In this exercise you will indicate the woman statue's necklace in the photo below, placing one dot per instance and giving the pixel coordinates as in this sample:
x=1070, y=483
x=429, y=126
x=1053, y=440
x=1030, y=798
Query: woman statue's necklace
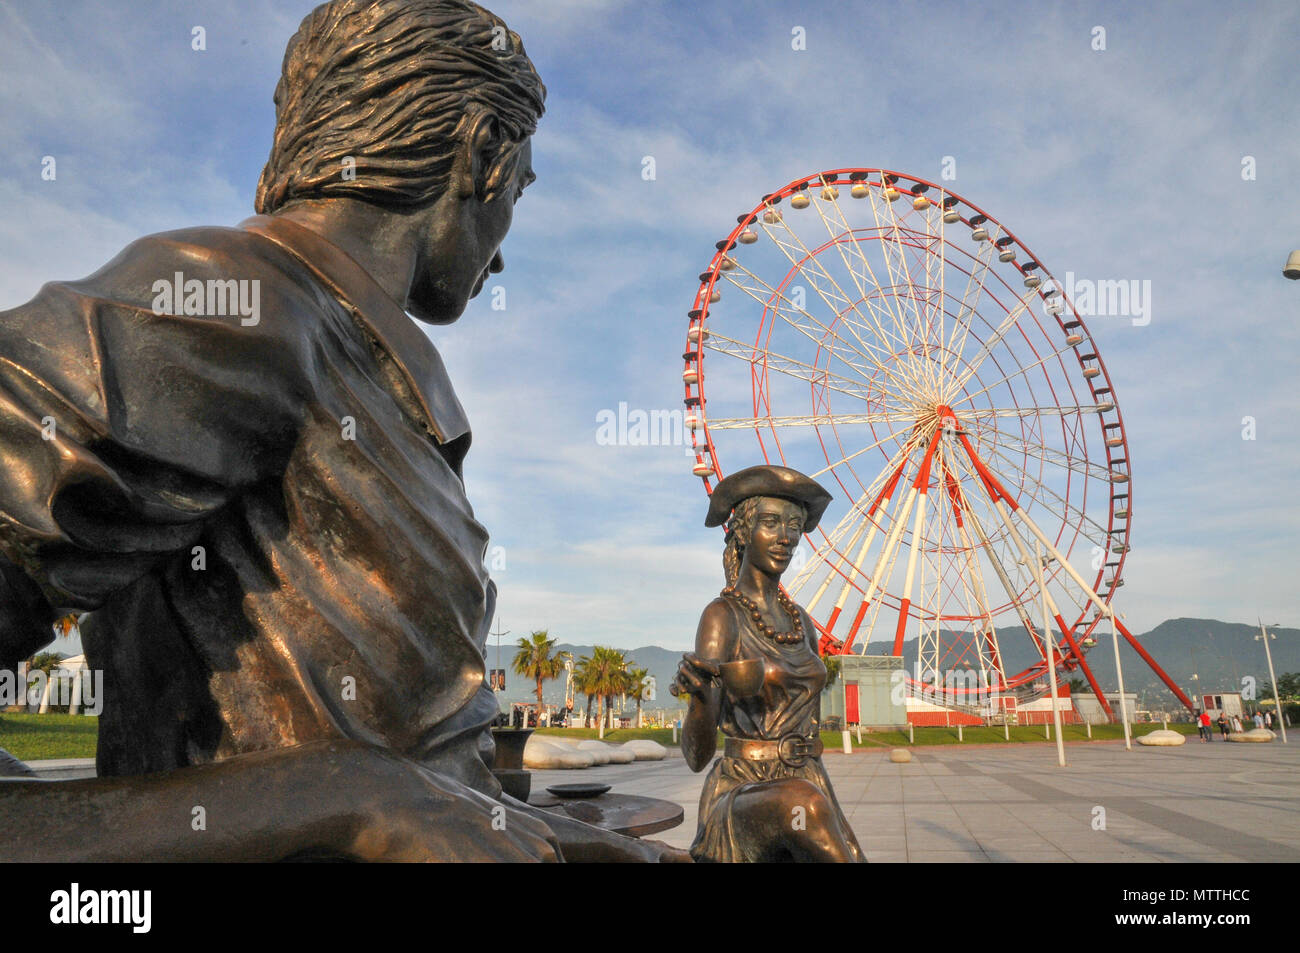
x=793, y=637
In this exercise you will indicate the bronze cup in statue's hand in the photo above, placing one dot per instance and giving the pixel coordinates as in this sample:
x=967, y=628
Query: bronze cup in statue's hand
x=744, y=679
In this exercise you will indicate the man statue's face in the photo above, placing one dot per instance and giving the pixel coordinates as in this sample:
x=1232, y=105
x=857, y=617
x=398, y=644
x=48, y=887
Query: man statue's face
x=462, y=247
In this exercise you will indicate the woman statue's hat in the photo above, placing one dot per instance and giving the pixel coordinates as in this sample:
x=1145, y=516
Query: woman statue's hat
x=767, y=480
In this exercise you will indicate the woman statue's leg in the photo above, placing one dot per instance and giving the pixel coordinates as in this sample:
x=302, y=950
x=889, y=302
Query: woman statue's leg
x=790, y=819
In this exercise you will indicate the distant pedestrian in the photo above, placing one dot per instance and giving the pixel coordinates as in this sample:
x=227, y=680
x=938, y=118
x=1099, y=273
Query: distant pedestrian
x=1236, y=724
x=1268, y=719
x=1203, y=725
x=1259, y=720
x=1223, y=725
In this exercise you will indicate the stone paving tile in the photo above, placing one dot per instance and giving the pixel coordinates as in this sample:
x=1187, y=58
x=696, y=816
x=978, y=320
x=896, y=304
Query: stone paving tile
x=1194, y=803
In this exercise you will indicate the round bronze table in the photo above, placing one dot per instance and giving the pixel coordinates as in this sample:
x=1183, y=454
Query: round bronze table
x=628, y=814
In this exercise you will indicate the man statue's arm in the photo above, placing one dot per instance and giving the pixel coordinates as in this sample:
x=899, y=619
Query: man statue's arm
x=340, y=800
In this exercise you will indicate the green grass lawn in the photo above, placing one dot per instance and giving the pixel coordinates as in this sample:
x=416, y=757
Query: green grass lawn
x=990, y=735
x=615, y=736
x=36, y=737
x=893, y=739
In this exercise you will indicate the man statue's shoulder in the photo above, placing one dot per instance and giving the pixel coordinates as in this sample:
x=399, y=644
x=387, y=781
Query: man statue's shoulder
x=228, y=276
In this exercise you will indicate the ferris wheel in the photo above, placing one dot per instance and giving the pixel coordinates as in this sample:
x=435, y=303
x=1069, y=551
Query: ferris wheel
x=892, y=340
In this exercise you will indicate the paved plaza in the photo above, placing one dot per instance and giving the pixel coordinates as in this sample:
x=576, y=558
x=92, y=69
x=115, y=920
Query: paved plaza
x=1197, y=802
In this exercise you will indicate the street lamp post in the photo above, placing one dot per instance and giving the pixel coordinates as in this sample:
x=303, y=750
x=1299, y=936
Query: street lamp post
x=1119, y=675
x=1051, y=655
x=1277, y=702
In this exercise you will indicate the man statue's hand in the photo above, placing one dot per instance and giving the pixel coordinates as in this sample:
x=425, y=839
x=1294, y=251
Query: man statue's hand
x=416, y=815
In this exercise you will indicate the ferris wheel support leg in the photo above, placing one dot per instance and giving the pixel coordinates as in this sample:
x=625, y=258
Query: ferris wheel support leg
x=881, y=502
x=994, y=487
x=1025, y=620
x=920, y=488
x=1107, y=610
x=891, y=543
x=1083, y=664
x=989, y=650
x=1155, y=667
x=1037, y=569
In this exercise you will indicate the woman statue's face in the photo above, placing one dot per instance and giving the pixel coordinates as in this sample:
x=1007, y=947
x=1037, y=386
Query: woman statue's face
x=774, y=534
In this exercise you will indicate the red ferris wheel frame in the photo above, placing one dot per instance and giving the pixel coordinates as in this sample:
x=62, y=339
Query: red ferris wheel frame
x=1077, y=636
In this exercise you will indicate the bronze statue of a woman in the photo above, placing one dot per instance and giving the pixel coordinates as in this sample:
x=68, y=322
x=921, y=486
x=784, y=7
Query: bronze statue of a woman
x=755, y=674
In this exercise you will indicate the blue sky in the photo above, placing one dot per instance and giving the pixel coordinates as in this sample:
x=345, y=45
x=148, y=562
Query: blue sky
x=1123, y=163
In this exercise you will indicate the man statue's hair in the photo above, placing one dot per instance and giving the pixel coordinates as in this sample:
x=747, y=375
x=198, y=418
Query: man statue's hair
x=389, y=89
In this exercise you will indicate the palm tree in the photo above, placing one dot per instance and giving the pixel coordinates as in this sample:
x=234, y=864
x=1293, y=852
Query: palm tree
x=834, y=664
x=534, y=660
x=583, y=681
x=636, y=688
x=602, y=675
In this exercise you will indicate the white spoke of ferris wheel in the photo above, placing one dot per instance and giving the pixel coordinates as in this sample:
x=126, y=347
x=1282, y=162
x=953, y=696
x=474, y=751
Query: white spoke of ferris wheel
x=901, y=335
x=847, y=232
x=857, y=453
x=1013, y=315
x=970, y=597
x=896, y=462
x=886, y=494
x=935, y=310
x=943, y=286
x=1041, y=453
x=773, y=299
x=988, y=631
x=970, y=296
x=994, y=560
x=1070, y=508
x=875, y=200
x=789, y=366
x=920, y=490
x=1064, y=563
x=1055, y=553
x=806, y=268
x=905, y=504
x=874, y=196
x=1038, y=570
x=1057, y=458
x=879, y=359
x=865, y=604
x=1024, y=369
x=1066, y=410
x=978, y=590
x=823, y=556
x=801, y=264
x=811, y=420
x=855, y=518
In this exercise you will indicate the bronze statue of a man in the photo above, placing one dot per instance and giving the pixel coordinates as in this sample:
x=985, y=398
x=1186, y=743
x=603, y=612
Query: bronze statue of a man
x=233, y=448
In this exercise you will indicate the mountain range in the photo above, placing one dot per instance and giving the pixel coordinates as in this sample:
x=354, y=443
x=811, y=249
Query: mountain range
x=1221, y=654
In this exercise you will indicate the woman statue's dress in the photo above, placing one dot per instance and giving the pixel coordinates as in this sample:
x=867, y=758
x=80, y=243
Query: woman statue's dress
x=789, y=703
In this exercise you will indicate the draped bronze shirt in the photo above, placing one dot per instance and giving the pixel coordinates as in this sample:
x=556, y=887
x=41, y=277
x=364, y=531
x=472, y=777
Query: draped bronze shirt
x=268, y=521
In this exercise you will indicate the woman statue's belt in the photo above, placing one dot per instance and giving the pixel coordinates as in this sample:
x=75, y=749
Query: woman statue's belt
x=792, y=750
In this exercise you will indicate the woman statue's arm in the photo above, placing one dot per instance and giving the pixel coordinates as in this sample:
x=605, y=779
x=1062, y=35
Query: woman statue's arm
x=715, y=642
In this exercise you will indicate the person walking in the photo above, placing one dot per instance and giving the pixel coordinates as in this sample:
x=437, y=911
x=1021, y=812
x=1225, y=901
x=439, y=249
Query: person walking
x=1236, y=724
x=1268, y=719
x=1259, y=719
x=1223, y=725
x=1203, y=726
